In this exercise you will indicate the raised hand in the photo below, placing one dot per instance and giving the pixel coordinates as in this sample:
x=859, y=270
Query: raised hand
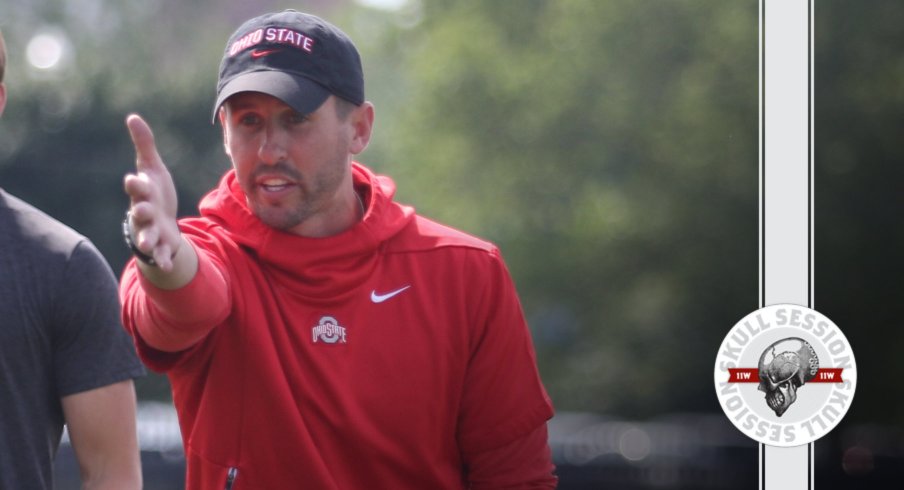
x=153, y=199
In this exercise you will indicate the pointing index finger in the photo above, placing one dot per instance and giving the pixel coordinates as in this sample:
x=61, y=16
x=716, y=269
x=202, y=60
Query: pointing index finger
x=146, y=155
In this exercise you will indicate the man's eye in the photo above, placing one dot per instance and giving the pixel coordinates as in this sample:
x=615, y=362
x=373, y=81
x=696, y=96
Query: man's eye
x=297, y=118
x=249, y=119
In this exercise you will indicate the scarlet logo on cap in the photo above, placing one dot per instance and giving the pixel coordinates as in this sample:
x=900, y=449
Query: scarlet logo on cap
x=273, y=35
x=259, y=53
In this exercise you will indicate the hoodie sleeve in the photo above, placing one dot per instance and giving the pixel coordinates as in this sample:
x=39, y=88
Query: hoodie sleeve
x=170, y=321
x=523, y=464
x=504, y=406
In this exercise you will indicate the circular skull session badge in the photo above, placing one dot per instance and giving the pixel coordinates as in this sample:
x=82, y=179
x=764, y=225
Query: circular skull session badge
x=785, y=375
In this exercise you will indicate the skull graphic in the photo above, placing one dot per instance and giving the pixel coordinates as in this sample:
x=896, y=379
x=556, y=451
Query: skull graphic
x=784, y=367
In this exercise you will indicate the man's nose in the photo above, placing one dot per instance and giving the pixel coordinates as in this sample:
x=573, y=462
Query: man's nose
x=273, y=145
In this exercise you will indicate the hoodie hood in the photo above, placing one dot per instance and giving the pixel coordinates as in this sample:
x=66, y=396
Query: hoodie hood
x=326, y=267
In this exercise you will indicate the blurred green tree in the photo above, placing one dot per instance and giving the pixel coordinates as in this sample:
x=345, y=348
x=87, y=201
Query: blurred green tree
x=859, y=117
x=610, y=149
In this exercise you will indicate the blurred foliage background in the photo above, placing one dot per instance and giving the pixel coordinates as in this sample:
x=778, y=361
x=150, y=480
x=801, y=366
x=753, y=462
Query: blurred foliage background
x=609, y=147
x=859, y=196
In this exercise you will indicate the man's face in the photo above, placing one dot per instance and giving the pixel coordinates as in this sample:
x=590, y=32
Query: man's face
x=294, y=168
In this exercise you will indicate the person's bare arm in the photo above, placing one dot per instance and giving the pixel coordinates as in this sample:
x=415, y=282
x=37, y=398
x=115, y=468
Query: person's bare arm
x=153, y=213
x=103, y=431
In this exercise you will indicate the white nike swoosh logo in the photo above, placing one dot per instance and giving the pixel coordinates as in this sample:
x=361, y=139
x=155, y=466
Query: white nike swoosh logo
x=379, y=298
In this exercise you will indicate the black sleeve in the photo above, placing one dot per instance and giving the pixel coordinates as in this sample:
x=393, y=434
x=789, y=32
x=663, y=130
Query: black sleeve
x=90, y=347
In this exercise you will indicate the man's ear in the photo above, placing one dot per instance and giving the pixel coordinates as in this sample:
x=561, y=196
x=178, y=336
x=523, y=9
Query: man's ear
x=2, y=98
x=221, y=115
x=362, y=119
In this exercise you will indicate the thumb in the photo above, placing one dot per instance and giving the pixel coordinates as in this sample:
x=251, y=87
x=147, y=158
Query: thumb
x=146, y=155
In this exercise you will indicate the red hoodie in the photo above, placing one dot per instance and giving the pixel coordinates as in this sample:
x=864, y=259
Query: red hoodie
x=393, y=355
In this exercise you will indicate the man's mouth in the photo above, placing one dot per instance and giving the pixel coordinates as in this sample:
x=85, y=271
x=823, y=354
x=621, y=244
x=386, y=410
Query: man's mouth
x=274, y=184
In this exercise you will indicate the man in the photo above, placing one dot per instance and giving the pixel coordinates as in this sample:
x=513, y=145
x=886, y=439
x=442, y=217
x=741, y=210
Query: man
x=316, y=333
x=64, y=356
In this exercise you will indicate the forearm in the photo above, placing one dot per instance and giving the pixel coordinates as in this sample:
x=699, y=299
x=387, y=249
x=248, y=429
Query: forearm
x=185, y=267
x=117, y=478
x=174, y=319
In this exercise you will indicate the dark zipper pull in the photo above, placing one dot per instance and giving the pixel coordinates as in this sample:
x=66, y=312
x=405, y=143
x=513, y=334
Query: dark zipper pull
x=230, y=477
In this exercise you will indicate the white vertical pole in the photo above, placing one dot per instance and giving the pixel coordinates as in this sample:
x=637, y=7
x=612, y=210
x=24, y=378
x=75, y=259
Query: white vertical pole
x=786, y=192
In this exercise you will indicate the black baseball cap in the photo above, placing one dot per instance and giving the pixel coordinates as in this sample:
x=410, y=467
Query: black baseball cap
x=298, y=58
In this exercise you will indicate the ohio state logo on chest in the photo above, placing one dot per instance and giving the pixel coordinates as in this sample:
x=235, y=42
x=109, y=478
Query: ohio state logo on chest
x=328, y=331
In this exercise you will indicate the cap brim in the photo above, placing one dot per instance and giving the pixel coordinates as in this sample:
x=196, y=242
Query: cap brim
x=300, y=93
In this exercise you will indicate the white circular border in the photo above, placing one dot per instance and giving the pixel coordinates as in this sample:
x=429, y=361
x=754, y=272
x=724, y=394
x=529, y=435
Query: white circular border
x=761, y=424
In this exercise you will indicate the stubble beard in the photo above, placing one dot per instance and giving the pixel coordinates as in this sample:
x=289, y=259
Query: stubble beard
x=310, y=196
x=284, y=219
